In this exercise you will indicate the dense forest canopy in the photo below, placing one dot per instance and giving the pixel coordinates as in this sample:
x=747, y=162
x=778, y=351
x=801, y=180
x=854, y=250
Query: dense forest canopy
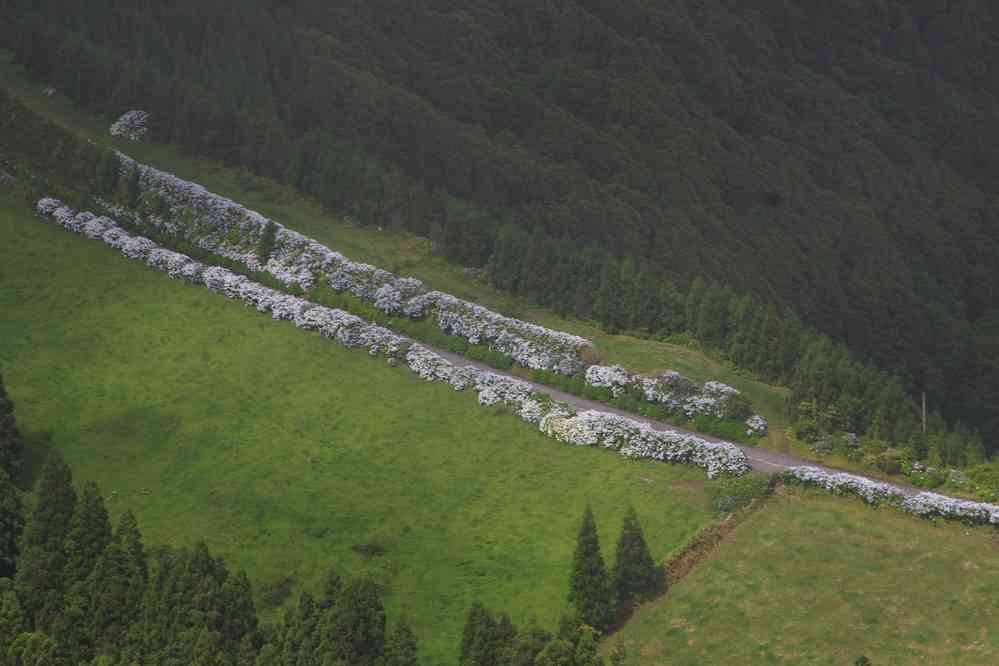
x=834, y=158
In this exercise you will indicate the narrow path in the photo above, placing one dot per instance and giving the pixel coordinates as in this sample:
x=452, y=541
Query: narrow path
x=760, y=459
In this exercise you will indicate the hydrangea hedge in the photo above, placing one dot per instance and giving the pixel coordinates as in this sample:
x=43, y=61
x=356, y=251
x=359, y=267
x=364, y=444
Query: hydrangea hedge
x=924, y=504
x=558, y=420
x=226, y=228
x=133, y=125
x=675, y=392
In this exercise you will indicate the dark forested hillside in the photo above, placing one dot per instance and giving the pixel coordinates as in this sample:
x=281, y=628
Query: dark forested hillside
x=835, y=158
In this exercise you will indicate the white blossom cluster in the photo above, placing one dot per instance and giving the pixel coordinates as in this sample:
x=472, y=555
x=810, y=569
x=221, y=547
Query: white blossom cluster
x=674, y=391
x=638, y=440
x=589, y=428
x=841, y=483
x=132, y=125
x=932, y=505
x=226, y=228
x=345, y=328
x=756, y=425
x=924, y=504
x=615, y=378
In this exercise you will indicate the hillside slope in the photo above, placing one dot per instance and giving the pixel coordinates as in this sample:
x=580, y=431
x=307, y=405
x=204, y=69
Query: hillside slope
x=833, y=161
x=288, y=454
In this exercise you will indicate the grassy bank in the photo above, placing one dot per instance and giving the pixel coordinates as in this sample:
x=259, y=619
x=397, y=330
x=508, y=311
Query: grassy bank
x=817, y=579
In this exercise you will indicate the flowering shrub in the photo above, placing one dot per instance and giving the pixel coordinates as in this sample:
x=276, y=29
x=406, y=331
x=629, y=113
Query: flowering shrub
x=924, y=504
x=133, y=125
x=756, y=425
x=932, y=505
x=614, y=377
x=347, y=329
x=222, y=226
x=841, y=483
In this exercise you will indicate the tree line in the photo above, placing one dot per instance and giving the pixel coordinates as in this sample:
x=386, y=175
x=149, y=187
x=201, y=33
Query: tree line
x=830, y=162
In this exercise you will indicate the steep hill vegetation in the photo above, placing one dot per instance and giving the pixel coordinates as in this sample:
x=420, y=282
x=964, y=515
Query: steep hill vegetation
x=831, y=160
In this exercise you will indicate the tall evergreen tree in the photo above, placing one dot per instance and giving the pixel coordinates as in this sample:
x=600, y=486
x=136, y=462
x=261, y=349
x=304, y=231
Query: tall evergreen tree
x=635, y=572
x=11, y=444
x=401, y=648
x=356, y=628
x=589, y=586
x=39, y=579
x=11, y=525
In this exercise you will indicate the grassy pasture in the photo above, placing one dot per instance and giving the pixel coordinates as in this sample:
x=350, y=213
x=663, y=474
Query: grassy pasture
x=816, y=579
x=287, y=453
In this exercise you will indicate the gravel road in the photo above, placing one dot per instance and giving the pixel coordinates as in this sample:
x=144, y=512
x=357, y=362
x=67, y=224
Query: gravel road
x=759, y=459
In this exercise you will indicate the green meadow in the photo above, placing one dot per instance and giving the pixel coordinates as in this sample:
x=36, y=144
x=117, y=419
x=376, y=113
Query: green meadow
x=288, y=454
x=812, y=578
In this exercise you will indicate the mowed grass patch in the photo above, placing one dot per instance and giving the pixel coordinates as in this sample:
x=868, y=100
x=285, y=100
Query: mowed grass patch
x=287, y=453
x=816, y=579
x=401, y=253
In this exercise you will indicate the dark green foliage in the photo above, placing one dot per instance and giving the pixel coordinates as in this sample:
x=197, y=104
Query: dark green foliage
x=484, y=641
x=11, y=525
x=401, y=647
x=134, y=189
x=108, y=172
x=39, y=582
x=266, y=243
x=12, y=618
x=355, y=628
x=589, y=585
x=11, y=445
x=635, y=572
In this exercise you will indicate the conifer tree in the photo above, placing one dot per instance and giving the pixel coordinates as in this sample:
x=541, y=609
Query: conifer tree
x=635, y=572
x=11, y=525
x=39, y=578
x=401, y=648
x=89, y=533
x=589, y=586
x=12, y=618
x=356, y=630
x=478, y=638
x=10, y=439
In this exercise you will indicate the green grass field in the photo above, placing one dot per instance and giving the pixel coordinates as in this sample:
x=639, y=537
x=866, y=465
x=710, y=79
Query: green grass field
x=401, y=253
x=286, y=452
x=815, y=579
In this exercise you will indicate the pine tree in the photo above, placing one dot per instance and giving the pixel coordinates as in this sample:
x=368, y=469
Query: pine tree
x=39, y=578
x=356, y=631
x=401, y=648
x=10, y=439
x=11, y=525
x=635, y=572
x=12, y=618
x=478, y=638
x=89, y=533
x=589, y=586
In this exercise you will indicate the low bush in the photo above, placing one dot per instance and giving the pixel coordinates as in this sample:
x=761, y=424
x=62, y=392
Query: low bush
x=730, y=493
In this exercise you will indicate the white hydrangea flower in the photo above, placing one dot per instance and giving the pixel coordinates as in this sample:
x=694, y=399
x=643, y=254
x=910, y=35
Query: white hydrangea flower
x=133, y=125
